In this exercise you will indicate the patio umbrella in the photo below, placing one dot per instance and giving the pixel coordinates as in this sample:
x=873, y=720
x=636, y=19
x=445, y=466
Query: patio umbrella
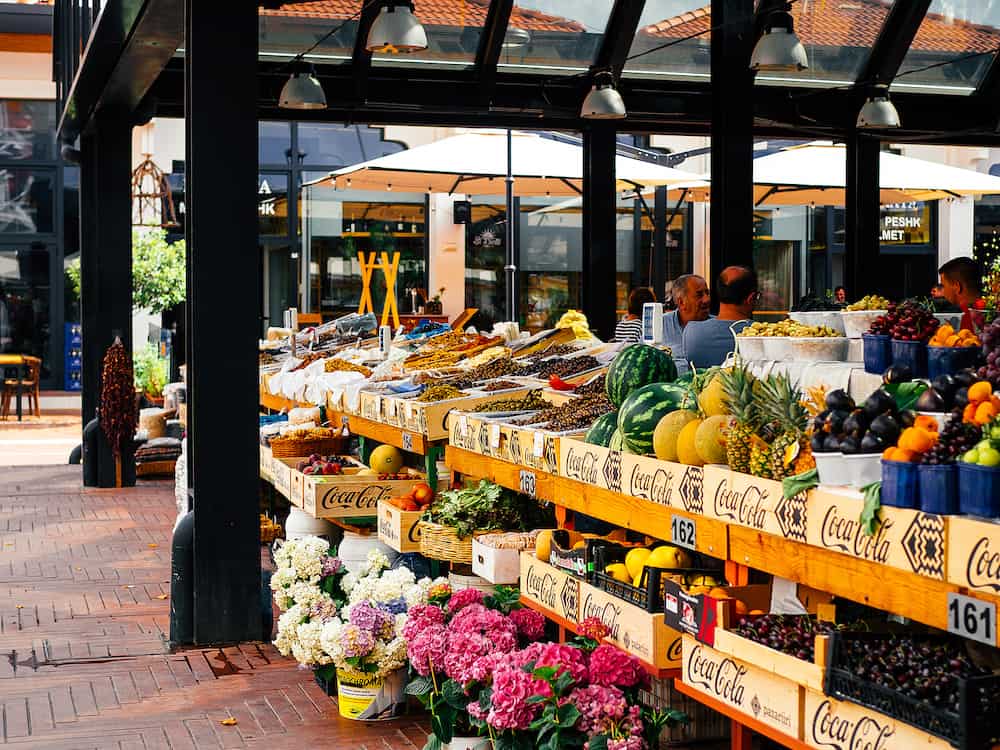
x=817, y=173
x=476, y=163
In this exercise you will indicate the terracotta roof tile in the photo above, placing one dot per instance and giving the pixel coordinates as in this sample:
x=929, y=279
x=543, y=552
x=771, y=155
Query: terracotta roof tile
x=854, y=23
x=470, y=13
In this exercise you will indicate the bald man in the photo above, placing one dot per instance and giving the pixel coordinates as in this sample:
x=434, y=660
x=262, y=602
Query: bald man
x=708, y=342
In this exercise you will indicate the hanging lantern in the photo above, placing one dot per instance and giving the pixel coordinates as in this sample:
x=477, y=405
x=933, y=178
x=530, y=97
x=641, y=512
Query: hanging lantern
x=152, y=203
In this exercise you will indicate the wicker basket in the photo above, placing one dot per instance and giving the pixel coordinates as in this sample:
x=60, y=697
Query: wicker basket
x=155, y=468
x=442, y=543
x=295, y=448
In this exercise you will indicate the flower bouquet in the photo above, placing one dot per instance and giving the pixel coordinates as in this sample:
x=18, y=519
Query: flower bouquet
x=452, y=642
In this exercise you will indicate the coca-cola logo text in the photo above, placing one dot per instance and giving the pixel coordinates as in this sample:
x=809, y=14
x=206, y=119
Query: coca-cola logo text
x=840, y=733
x=847, y=535
x=582, y=466
x=983, y=568
x=745, y=507
x=365, y=498
x=655, y=486
x=722, y=677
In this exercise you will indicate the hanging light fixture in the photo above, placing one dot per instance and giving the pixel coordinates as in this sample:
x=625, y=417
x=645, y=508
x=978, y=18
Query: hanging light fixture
x=516, y=38
x=302, y=90
x=779, y=48
x=396, y=29
x=878, y=111
x=603, y=102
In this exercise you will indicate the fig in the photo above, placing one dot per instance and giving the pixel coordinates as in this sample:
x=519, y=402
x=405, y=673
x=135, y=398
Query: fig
x=964, y=378
x=872, y=443
x=961, y=398
x=831, y=444
x=849, y=446
x=907, y=418
x=930, y=400
x=880, y=402
x=856, y=424
x=897, y=374
x=835, y=424
x=885, y=428
x=839, y=400
x=817, y=443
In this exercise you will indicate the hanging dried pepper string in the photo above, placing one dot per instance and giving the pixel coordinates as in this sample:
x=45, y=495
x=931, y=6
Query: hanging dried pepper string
x=119, y=417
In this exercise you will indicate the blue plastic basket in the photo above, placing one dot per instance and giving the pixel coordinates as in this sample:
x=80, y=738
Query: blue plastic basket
x=878, y=352
x=912, y=354
x=899, y=484
x=947, y=360
x=979, y=490
x=938, y=488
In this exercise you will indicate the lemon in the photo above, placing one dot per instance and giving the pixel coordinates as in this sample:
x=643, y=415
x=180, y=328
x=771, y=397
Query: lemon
x=619, y=572
x=543, y=545
x=712, y=399
x=669, y=557
x=635, y=560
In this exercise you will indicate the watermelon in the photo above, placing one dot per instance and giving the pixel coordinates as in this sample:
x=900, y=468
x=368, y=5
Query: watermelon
x=617, y=442
x=635, y=366
x=602, y=430
x=643, y=410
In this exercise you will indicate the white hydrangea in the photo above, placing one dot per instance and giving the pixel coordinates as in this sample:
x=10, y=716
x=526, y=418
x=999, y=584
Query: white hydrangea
x=330, y=640
x=307, y=648
x=348, y=582
x=377, y=562
x=282, y=578
x=306, y=594
x=391, y=584
x=400, y=622
x=364, y=589
x=390, y=656
x=288, y=625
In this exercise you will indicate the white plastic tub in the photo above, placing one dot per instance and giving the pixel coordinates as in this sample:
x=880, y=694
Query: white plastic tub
x=777, y=348
x=820, y=348
x=859, y=321
x=831, y=469
x=830, y=318
x=863, y=468
x=952, y=319
x=750, y=347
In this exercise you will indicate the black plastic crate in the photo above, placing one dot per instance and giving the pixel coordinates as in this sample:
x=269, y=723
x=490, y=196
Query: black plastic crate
x=975, y=726
x=649, y=594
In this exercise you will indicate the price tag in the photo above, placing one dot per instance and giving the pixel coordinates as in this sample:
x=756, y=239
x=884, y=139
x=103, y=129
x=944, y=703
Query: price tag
x=972, y=618
x=527, y=483
x=409, y=410
x=407, y=441
x=538, y=447
x=463, y=425
x=682, y=531
x=391, y=407
x=494, y=436
x=378, y=407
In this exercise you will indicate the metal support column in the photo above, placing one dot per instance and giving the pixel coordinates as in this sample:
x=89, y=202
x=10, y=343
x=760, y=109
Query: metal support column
x=223, y=289
x=861, y=259
x=731, y=222
x=598, y=276
x=660, y=270
x=105, y=261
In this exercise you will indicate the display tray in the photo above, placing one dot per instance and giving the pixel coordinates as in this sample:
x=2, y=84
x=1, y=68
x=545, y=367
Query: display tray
x=398, y=528
x=493, y=436
x=808, y=674
x=431, y=418
x=349, y=494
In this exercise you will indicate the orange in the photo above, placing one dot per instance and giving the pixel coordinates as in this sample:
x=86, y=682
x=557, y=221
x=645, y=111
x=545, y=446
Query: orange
x=917, y=440
x=951, y=341
x=741, y=608
x=980, y=391
x=969, y=413
x=887, y=453
x=985, y=413
x=926, y=422
x=901, y=454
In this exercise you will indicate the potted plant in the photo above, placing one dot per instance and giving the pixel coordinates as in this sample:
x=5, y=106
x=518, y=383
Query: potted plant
x=151, y=373
x=434, y=303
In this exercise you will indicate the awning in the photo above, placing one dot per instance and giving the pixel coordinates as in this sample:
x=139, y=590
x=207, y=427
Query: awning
x=476, y=163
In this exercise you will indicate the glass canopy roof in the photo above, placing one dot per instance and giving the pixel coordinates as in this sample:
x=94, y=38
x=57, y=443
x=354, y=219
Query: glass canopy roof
x=953, y=48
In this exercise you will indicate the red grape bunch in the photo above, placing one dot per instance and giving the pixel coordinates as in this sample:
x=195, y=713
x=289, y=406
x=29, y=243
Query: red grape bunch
x=991, y=347
x=956, y=438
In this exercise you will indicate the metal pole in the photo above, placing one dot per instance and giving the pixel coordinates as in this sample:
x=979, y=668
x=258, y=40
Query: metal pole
x=510, y=268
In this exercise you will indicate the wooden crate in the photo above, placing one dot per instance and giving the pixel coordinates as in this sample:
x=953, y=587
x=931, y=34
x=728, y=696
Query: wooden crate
x=350, y=495
x=550, y=588
x=829, y=724
x=399, y=529
x=749, y=690
x=431, y=418
x=973, y=553
x=759, y=504
x=909, y=540
x=282, y=472
x=476, y=433
x=370, y=406
x=264, y=458
x=807, y=674
x=532, y=448
x=641, y=633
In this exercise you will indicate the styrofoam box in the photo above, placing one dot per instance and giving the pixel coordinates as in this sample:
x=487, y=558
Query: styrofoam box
x=500, y=566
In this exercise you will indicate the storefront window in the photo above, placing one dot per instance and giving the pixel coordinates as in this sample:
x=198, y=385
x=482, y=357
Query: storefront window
x=24, y=301
x=26, y=200
x=551, y=245
x=485, y=254
x=905, y=224
x=272, y=203
x=342, y=145
x=26, y=129
x=281, y=271
x=274, y=143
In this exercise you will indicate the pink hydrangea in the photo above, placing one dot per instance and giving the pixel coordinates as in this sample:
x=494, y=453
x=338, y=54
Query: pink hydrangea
x=422, y=616
x=426, y=649
x=600, y=707
x=612, y=666
x=566, y=658
x=510, y=708
x=593, y=628
x=529, y=623
x=463, y=598
x=482, y=669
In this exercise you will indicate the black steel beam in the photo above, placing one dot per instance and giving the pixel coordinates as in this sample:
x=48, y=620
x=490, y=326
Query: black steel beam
x=660, y=229
x=893, y=42
x=618, y=35
x=361, y=58
x=599, y=219
x=861, y=257
x=221, y=98
x=491, y=44
x=105, y=260
x=733, y=95
x=988, y=92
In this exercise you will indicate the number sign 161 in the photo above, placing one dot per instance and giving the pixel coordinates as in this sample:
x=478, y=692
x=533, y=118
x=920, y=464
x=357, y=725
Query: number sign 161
x=972, y=618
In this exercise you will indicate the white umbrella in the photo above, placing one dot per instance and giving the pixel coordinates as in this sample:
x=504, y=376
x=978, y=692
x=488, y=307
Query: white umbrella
x=476, y=164
x=817, y=173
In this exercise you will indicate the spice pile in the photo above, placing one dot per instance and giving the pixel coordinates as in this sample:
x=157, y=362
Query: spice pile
x=532, y=401
x=339, y=365
x=440, y=393
x=497, y=368
x=500, y=385
x=592, y=388
x=564, y=367
x=577, y=414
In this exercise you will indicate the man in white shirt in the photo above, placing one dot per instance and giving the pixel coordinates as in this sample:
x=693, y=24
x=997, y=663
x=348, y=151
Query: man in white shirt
x=693, y=300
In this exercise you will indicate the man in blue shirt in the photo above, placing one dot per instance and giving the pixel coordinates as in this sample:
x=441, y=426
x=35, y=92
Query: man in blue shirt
x=708, y=342
x=691, y=295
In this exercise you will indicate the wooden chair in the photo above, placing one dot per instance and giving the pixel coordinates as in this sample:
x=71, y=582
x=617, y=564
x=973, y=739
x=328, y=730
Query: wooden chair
x=29, y=388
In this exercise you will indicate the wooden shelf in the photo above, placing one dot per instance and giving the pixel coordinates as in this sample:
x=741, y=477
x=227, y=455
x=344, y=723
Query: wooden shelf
x=501, y=472
x=389, y=435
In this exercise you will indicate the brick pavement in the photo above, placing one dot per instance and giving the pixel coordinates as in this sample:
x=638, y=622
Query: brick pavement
x=84, y=585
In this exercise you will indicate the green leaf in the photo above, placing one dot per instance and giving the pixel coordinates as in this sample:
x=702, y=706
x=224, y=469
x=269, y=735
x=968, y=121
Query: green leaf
x=598, y=742
x=535, y=699
x=420, y=686
x=455, y=695
x=568, y=715
x=906, y=394
x=873, y=505
x=796, y=485
x=563, y=683
x=546, y=673
x=326, y=672
x=442, y=728
x=433, y=743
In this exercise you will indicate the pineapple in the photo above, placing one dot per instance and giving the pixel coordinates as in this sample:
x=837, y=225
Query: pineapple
x=761, y=452
x=738, y=395
x=781, y=404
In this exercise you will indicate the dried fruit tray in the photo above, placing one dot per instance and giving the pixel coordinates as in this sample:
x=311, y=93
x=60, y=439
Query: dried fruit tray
x=974, y=726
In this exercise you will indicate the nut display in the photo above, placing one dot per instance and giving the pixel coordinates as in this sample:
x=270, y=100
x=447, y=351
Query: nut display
x=494, y=369
x=432, y=361
x=488, y=355
x=592, y=388
x=500, y=385
x=563, y=367
x=577, y=414
x=789, y=328
x=339, y=365
x=440, y=393
x=532, y=401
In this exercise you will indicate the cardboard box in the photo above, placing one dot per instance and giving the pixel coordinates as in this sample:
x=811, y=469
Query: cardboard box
x=754, y=692
x=641, y=633
x=909, y=540
x=700, y=615
x=397, y=528
x=500, y=566
x=265, y=462
x=550, y=589
x=973, y=554
x=349, y=495
x=829, y=724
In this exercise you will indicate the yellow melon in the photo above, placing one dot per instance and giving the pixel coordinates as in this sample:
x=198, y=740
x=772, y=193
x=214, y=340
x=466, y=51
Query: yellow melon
x=668, y=556
x=712, y=398
x=687, y=453
x=668, y=429
x=386, y=460
x=709, y=441
x=618, y=572
x=543, y=545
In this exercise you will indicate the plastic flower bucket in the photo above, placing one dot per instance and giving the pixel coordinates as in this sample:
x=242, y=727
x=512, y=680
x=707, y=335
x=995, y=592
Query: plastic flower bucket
x=899, y=484
x=979, y=490
x=831, y=468
x=368, y=697
x=938, y=488
x=877, y=353
x=912, y=354
x=947, y=360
